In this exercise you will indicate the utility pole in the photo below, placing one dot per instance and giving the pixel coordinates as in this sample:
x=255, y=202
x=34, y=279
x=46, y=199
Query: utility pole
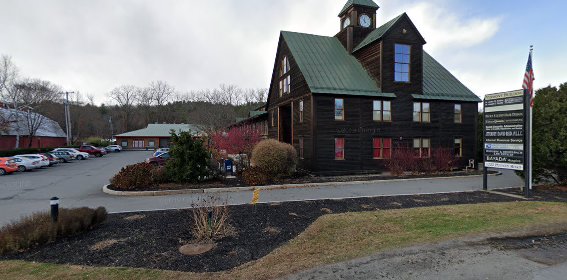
x=111, y=129
x=68, y=118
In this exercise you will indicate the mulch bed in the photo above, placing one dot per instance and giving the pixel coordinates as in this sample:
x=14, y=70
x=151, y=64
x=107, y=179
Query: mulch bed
x=299, y=178
x=152, y=240
x=542, y=193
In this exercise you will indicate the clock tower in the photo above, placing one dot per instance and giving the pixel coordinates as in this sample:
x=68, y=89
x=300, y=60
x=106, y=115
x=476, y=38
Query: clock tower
x=357, y=20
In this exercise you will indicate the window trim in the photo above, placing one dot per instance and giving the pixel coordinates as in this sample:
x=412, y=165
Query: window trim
x=421, y=113
x=460, y=114
x=401, y=63
x=382, y=110
x=343, y=148
x=421, y=147
x=301, y=109
x=460, y=148
x=382, y=148
x=342, y=110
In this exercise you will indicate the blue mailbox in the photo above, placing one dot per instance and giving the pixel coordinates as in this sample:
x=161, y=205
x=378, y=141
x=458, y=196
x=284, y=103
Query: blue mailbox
x=228, y=166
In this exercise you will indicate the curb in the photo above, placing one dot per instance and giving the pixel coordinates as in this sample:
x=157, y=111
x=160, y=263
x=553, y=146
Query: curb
x=108, y=191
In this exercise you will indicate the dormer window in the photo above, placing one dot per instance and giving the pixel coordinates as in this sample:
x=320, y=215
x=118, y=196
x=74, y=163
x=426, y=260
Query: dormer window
x=285, y=77
x=402, y=63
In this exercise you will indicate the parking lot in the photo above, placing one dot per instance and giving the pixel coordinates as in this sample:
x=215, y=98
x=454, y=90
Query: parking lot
x=75, y=183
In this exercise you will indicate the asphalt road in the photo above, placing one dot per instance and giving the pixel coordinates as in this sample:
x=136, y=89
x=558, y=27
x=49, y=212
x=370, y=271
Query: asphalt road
x=79, y=184
x=454, y=260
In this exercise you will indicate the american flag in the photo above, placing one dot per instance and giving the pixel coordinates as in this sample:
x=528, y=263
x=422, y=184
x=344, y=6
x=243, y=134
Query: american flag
x=529, y=79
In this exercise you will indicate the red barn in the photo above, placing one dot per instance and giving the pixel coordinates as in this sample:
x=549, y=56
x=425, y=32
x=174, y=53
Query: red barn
x=14, y=122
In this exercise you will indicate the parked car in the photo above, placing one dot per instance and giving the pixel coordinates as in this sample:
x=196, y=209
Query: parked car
x=159, y=160
x=53, y=159
x=92, y=150
x=62, y=156
x=25, y=164
x=74, y=153
x=114, y=148
x=43, y=160
x=161, y=151
x=7, y=166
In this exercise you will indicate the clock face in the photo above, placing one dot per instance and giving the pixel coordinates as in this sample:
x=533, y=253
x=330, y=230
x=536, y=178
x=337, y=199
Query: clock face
x=346, y=23
x=365, y=21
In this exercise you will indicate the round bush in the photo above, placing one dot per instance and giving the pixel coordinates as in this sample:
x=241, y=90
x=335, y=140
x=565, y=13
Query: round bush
x=133, y=177
x=275, y=158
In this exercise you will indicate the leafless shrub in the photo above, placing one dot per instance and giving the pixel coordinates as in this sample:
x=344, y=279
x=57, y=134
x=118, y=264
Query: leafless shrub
x=210, y=219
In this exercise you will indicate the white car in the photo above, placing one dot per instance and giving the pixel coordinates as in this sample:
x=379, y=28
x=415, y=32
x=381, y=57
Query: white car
x=74, y=153
x=43, y=160
x=115, y=148
x=161, y=151
x=25, y=164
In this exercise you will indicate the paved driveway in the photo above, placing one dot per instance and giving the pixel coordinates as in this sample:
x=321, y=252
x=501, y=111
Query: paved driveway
x=75, y=183
x=79, y=184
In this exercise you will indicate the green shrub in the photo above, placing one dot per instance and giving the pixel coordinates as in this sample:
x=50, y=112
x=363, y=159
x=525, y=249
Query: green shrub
x=190, y=161
x=277, y=159
x=37, y=229
x=255, y=176
x=132, y=177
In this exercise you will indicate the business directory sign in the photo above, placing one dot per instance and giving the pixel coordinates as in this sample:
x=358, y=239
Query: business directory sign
x=505, y=130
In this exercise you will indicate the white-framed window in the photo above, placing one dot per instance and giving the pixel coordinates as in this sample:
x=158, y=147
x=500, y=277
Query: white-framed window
x=285, y=77
x=339, y=109
x=458, y=113
x=422, y=147
x=421, y=112
x=382, y=111
x=301, y=111
x=402, y=63
x=458, y=147
x=124, y=144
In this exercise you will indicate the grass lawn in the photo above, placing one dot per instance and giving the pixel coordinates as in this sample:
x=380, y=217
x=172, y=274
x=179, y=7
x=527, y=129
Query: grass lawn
x=340, y=237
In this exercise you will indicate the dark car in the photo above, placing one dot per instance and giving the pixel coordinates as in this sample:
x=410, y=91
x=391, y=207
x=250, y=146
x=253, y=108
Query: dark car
x=159, y=160
x=53, y=159
x=92, y=150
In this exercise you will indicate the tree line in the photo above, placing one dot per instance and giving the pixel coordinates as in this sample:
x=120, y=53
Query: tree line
x=130, y=107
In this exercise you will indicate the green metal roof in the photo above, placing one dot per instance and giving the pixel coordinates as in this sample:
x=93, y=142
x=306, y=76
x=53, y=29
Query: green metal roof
x=162, y=130
x=257, y=113
x=328, y=67
x=378, y=33
x=366, y=3
x=440, y=84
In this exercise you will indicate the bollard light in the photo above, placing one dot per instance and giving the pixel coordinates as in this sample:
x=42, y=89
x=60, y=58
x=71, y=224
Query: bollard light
x=54, y=202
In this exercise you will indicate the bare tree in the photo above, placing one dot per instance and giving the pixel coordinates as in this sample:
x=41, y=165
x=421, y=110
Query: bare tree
x=32, y=94
x=8, y=92
x=161, y=92
x=126, y=97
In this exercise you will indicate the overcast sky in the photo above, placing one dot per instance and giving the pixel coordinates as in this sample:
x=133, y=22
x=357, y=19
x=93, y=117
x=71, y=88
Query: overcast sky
x=92, y=46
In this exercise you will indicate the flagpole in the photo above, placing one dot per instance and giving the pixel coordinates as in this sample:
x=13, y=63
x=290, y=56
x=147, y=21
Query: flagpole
x=531, y=130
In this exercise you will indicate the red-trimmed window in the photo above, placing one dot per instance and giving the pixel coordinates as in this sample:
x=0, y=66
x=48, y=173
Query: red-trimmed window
x=339, y=148
x=382, y=148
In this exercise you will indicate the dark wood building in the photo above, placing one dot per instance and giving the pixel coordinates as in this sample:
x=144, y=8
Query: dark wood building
x=346, y=102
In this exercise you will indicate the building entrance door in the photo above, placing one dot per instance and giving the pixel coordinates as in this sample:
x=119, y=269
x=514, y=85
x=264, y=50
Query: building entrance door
x=285, y=125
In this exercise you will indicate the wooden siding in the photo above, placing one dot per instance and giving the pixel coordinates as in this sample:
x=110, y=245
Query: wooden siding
x=359, y=129
x=370, y=58
x=412, y=38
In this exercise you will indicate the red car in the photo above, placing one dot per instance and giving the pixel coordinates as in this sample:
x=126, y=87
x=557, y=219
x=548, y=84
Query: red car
x=159, y=160
x=92, y=150
x=7, y=166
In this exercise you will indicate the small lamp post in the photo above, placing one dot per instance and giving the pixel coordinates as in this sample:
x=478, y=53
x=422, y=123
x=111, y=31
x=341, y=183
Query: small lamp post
x=54, y=202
